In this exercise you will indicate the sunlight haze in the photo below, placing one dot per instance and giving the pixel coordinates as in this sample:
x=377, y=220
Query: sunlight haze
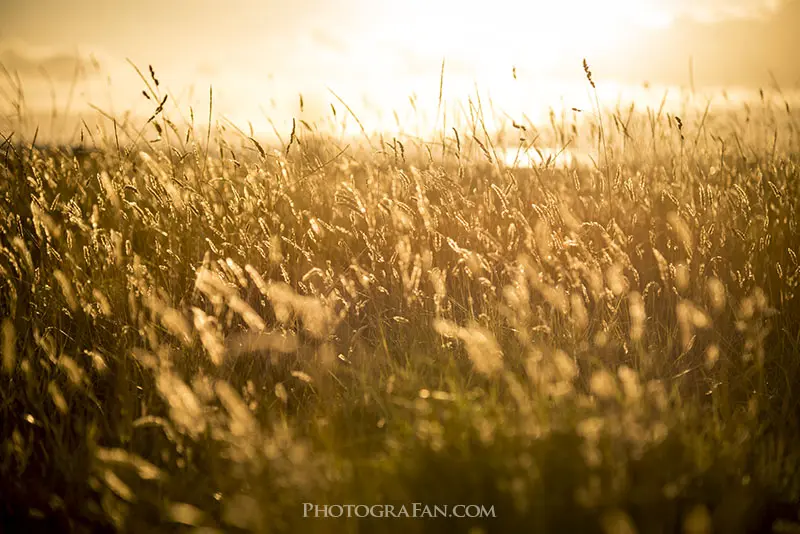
x=260, y=56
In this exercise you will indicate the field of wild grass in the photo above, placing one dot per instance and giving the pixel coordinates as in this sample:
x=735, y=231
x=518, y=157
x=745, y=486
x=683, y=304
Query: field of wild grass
x=201, y=333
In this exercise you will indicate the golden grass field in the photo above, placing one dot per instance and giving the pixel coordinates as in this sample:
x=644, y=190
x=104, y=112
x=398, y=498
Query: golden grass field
x=201, y=333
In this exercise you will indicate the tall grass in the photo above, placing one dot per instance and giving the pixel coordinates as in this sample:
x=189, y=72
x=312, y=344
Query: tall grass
x=203, y=334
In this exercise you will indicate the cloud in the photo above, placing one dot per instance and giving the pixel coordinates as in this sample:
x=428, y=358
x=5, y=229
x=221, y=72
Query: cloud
x=37, y=62
x=735, y=51
x=329, y=40
x=720, y=10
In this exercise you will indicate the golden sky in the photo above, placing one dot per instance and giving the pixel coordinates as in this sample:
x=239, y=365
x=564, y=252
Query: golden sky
x=259, y=55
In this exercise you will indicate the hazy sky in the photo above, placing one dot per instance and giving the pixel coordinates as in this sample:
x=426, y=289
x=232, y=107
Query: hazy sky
x=375, y=53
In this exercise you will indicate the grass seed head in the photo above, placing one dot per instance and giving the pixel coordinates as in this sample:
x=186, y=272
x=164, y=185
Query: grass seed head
x=9, y=340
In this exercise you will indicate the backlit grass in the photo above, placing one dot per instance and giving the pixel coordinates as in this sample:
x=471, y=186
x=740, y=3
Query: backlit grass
x=202, y=333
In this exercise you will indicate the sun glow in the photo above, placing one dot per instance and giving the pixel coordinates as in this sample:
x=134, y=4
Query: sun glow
x=537, y=34
x=526, y=54
x=384, y=59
